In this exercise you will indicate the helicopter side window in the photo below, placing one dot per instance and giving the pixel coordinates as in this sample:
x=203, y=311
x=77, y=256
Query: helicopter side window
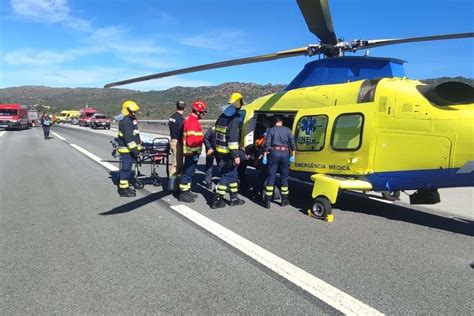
x=347, y=132
x=311, y=133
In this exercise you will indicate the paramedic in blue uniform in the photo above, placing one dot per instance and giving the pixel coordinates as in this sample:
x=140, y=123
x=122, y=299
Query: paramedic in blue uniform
x=228, y=153
x=129, y=146
x=210, y=144
x=279, y=153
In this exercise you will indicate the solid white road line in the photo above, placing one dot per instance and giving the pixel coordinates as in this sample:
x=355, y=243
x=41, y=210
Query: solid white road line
x=316, y=287
x=107, y=165
x=1, y=133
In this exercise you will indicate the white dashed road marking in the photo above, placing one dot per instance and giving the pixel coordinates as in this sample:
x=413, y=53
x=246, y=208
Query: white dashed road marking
x=308, y=282
x=58, y=136
x=100, y=161
x=107, y=165
x=1, y=133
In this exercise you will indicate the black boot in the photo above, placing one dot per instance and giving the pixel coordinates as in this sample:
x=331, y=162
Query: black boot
x=234, y=200
x=218, y=201
x=185, y=196
x=127, y=192
x=267, y=201
x=284, y=200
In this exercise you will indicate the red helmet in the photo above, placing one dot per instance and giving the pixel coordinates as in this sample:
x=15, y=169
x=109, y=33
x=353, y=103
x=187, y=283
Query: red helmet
x=199, y=106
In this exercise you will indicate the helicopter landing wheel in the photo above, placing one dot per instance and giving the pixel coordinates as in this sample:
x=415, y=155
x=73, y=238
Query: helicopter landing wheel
x=391, y=195
x=321, y=208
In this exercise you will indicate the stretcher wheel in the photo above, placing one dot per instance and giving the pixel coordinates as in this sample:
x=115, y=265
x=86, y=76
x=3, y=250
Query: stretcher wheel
x=139, y=185
x=156, y=182
x=391, y=195
x=321, y=207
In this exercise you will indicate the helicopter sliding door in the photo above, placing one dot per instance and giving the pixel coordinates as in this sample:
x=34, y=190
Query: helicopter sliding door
x=332, y=140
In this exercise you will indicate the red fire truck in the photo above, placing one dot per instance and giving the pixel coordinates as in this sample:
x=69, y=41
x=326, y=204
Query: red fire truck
x=13, y=116
x=85, y=116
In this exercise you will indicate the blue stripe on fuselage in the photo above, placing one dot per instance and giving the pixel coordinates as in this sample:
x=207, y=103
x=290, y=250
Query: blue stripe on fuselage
x=420, y=179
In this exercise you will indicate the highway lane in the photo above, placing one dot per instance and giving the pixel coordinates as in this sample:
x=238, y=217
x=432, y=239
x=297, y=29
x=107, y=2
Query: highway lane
x=65, y=250
x=395, y=258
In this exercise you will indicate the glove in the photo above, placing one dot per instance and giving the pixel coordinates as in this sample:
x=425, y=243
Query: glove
x=264, y=160
x=134, y=153
x=291, y=159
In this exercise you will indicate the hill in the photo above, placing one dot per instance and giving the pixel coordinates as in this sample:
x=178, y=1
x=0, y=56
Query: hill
x=154, y=104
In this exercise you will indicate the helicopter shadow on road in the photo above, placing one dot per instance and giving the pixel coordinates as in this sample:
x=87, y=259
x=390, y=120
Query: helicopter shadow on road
x=353, y=203
x=398, y=212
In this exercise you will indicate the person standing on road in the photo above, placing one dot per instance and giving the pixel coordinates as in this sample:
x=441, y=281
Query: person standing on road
x=175, y=124
x=280, y=147
x=129, y=146
x=228, y=153
x=192, y=147
x=210, y=144
x=46, y=123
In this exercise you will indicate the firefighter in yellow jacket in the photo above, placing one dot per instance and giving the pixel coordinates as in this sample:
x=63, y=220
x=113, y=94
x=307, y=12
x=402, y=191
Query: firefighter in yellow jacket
x=228, y=154
x=129, y=146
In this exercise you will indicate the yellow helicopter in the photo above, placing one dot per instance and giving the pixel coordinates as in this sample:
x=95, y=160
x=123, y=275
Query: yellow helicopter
x=359, y=123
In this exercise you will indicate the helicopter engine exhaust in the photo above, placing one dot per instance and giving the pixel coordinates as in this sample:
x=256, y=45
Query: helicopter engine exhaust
x=448, y=93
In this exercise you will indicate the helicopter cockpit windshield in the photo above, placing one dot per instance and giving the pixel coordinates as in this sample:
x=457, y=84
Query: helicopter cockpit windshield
x=346, y=69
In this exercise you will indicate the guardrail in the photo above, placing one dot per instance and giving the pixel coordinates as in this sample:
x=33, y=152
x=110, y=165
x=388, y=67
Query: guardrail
x=161, y=126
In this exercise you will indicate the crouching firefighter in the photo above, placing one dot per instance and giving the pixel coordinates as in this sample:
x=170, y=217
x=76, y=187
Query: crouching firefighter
x=280, y=148
x=192, y=147
x=228, y=156
x=129, y=146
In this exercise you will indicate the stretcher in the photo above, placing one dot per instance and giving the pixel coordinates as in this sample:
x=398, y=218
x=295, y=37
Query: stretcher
x=155, y=152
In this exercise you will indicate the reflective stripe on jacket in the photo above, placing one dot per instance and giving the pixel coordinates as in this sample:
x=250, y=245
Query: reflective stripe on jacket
x=128, y=135
x=192, y=135
x=227, y=135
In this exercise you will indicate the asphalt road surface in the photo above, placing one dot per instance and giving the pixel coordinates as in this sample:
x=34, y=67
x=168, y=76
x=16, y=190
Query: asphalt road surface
x=70, y=244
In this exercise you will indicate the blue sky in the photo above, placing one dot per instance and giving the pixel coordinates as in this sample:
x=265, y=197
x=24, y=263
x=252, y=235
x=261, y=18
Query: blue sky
x=88, y=43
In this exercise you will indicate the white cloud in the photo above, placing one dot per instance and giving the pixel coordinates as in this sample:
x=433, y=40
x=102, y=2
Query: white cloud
x=110, y=39
x=89, y=77
x=119, y=40
x=49, y=11
x=217, y=40
x=61, y=77
x=37, y=57
x=151, y=62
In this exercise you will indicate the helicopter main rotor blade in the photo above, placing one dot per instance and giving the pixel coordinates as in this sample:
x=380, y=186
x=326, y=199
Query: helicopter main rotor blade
x=318, y=18
x=384, y=42
x=227, y=63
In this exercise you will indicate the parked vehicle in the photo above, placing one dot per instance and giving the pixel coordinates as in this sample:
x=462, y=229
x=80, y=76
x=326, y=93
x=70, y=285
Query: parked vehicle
x=33, y=118
x=99, y=120
x=73, y=117
x=13, y=116
x=62, y=117
x=85, y=116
